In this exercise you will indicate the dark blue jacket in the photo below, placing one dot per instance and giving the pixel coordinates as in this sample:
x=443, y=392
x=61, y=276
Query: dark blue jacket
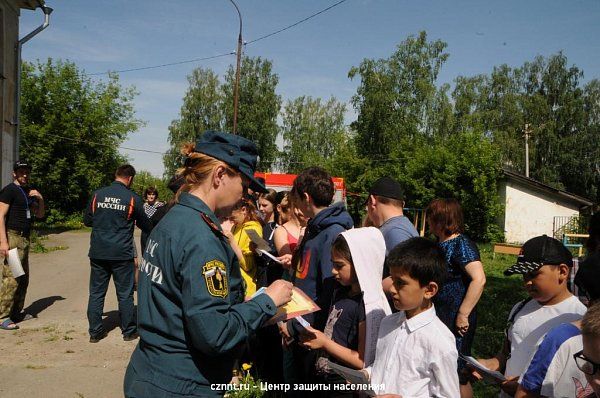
x=192, y=318
x=313, y=272
x=111, y=213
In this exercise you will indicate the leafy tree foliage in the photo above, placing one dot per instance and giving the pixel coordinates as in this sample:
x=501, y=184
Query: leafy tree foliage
x=313, y=133
x=208, y=105
x=258, y=106
x=71, y=128
x=397, y=100
x=201, y=111
x=547, y=95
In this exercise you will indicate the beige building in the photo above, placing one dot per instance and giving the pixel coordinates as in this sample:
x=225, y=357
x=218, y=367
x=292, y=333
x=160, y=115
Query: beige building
x=532, y=208
x=10, y=10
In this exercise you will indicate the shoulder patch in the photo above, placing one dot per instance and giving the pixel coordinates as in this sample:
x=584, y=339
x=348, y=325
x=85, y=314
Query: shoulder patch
x=215, y=277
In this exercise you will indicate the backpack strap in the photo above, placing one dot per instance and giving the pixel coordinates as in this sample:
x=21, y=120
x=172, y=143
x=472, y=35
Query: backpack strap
x=512, y=317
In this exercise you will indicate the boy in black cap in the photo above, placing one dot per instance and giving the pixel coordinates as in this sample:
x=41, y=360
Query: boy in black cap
x=545, y=264
x=19, y=203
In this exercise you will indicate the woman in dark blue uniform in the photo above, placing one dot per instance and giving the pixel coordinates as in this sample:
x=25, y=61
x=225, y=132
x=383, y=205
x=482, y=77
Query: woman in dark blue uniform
x=193, y=322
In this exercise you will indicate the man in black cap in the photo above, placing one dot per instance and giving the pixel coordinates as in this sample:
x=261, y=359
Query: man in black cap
x=384, y=209
x=19, y=203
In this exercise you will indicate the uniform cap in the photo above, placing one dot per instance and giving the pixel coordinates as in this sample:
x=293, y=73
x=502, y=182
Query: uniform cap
x=539, y=251
x=238, y=152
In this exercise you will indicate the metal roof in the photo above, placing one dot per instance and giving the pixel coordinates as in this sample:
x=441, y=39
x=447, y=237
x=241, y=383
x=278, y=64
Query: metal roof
x=571, y=197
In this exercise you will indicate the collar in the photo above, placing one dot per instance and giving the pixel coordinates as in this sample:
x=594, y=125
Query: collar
x=391, y=219
x=119, y=183
x=418, y=321
x=188, y=200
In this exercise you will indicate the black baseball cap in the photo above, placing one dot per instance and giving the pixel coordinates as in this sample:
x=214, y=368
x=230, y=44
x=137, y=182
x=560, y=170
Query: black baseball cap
x=238, y=152
x=539, y=251
x=21, y=164
x=387, y=187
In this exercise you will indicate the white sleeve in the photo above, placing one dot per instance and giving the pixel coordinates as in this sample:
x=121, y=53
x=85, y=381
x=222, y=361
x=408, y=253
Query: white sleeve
x=445, y=373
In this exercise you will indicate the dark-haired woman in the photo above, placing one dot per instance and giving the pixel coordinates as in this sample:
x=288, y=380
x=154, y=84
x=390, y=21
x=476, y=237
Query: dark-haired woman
x=151, y=205
x=456, y=301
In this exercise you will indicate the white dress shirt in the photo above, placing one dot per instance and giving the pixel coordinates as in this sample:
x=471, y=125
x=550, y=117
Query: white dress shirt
x=416, y=357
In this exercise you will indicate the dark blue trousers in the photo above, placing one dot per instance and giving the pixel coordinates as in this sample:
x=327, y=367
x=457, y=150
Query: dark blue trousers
x=122, y=273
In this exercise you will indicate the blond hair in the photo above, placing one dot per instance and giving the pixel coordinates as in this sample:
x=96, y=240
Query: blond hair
x=590, y=325
x=198, y=167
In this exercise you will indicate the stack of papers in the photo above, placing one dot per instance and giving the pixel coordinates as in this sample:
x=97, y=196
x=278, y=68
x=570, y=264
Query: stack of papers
x=300, y=304
x=490, y=376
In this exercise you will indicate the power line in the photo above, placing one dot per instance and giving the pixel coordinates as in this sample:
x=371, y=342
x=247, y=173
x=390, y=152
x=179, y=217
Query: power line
x=297, y=23
x=224, y=54
x=162, y=65
x=105, y=145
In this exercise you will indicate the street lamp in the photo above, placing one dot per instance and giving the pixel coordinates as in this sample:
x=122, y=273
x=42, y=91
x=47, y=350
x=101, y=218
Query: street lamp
x=236, y=87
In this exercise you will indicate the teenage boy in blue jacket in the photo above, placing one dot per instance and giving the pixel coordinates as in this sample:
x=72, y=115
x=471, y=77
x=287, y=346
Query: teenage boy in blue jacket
x=312, y=193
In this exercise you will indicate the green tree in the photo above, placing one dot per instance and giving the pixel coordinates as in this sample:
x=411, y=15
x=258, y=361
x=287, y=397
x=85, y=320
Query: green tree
x=546, y=94
x=397, y=100
x=71, y=129
x=258, y=106
x=201, y=111
x=313, y=133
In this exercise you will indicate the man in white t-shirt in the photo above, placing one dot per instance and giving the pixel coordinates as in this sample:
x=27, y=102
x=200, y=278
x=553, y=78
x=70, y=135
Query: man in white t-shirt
x=545, y=265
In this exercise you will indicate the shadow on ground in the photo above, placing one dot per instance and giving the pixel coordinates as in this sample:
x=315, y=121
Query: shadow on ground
x=40, y=305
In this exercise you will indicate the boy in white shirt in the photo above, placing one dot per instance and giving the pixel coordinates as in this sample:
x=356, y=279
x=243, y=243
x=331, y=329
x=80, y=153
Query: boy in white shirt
x=545, y=264
x=416, y=353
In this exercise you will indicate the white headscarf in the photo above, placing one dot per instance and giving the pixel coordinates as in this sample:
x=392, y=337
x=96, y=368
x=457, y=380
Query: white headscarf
x=367, y=247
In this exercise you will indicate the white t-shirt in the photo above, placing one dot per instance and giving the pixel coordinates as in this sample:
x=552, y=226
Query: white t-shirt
x=416, y=357
x=530, y=324
x=552, y=371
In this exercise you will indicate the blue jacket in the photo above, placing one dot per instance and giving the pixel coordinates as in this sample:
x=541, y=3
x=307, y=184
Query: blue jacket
x=313, y=272
x=192, y=318
x=111, y=213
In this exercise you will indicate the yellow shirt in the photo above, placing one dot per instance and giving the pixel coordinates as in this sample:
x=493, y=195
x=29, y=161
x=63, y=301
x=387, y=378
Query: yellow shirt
x=248, y=262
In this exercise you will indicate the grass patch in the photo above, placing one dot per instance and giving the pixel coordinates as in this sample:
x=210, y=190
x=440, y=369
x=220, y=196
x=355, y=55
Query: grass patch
x=38, y=243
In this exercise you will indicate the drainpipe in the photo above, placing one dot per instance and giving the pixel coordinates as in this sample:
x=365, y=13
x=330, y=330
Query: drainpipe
x=47, y=11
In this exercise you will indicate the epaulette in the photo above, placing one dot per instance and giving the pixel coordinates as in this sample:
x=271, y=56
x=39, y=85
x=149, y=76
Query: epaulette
x=214, y=227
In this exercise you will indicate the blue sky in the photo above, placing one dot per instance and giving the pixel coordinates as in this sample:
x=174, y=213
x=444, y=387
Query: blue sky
x=312, y=58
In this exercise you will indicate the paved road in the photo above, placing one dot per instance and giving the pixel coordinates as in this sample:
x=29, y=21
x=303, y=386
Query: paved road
x=50, y=356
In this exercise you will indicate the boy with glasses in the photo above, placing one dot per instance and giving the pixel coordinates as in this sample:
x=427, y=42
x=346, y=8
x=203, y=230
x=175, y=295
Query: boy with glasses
x=588, y=360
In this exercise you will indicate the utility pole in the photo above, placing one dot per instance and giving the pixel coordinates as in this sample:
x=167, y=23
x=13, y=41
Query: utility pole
x=527, y=131
x=236, y=88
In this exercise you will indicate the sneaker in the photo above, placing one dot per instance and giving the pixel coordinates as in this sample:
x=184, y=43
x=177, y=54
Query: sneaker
x=131, y=337
x=95, y=339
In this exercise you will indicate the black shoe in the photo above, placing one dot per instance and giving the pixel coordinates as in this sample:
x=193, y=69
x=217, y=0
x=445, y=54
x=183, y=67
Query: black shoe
x=95, y=339
x=131, y=337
